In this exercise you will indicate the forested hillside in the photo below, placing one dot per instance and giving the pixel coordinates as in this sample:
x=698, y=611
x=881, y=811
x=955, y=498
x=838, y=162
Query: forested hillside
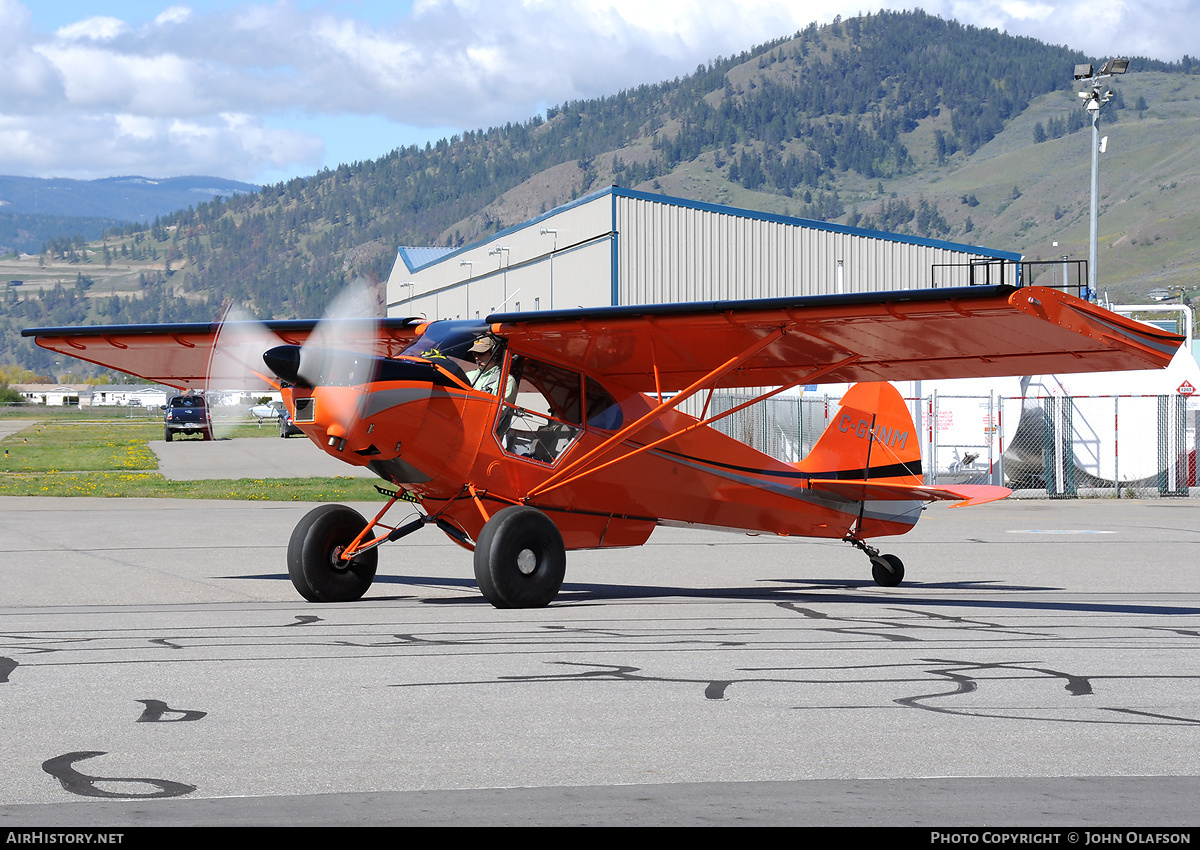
x=852, y=122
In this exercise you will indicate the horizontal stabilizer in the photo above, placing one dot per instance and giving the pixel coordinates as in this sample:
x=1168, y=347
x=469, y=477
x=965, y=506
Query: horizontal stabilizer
x=862, y=491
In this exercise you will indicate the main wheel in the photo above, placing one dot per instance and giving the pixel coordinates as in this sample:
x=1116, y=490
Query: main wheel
x=520, y=559
x=887, y=570
x=314, y=556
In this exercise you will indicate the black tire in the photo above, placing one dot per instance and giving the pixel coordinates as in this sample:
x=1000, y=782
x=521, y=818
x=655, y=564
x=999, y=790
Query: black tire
x=167, y=434
x=520, y=559
x=887, y=570
x=312, y=556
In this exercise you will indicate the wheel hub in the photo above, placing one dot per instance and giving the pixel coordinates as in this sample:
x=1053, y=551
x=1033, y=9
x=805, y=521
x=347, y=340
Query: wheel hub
x=335, y=559
x=526, y=561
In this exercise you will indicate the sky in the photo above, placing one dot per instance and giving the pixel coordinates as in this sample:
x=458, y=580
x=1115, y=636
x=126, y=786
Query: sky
x=266, y=91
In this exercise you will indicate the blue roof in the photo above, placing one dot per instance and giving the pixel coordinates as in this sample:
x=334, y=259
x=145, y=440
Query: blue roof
x=418, y=258
x=415, y=258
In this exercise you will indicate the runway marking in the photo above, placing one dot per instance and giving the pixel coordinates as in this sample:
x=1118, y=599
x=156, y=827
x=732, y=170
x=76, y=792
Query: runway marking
x=62, y=769
x=157, y=711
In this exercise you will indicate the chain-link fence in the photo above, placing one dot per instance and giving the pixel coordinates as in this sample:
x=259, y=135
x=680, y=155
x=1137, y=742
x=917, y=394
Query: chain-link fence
x=785, y=427
x=1059, y=447
x=1124, y=446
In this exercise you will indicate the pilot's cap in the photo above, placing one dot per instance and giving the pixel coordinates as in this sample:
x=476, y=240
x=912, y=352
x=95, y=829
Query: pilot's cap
x=483, y=345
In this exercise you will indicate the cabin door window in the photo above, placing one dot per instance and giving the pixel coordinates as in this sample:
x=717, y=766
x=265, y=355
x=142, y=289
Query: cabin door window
x=545, y=415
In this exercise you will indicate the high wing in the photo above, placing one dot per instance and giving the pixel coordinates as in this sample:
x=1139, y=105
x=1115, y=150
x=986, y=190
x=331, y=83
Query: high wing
x=980, y=331
x=179, y=355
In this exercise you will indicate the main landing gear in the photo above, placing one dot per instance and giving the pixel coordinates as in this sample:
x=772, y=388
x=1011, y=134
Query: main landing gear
x=887, y=570
x=520, y=559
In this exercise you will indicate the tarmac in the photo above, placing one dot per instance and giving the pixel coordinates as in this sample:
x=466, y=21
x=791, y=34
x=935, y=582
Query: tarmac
x=1038, y=668
x=191, y=458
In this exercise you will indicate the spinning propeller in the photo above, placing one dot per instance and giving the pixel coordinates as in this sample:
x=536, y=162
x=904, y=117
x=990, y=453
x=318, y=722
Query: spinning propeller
x=236, y=360
x=342, y=350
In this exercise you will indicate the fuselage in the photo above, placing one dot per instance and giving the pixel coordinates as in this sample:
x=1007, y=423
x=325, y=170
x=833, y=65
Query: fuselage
x=547, y=440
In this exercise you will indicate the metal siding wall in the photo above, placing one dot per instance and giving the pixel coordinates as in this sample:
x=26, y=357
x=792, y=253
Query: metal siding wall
x=671, y=253
x=450, y=289
x=665, y=253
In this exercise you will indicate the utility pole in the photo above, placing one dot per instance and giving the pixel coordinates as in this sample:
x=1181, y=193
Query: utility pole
x=1095, y=98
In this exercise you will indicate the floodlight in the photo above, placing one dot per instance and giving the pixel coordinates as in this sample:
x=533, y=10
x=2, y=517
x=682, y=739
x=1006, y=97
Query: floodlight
x=1084, y=71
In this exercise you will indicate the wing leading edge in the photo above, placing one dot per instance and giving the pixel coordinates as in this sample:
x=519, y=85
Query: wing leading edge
x=179, y=355
x=888, y=336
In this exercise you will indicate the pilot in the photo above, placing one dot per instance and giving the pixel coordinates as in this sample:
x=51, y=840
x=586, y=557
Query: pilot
x=486, y=354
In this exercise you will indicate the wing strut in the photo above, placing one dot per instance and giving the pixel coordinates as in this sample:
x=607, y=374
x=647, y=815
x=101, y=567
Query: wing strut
x=569, y=474
x=656, y=412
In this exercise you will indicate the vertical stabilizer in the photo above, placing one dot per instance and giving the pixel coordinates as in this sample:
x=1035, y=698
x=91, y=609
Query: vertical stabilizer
x=872, y=437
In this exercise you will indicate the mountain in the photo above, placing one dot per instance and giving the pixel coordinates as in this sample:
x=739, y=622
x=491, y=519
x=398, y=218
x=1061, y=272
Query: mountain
x=35, y=210
x=897, y=121
x=113, y=198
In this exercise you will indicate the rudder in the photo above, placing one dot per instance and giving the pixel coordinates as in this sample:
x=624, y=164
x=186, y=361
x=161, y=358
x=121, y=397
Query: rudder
x=872, y=437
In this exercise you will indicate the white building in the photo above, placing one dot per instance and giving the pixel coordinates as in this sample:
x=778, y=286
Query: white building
x=132, y=395
x=52, y=395
x=618, y=247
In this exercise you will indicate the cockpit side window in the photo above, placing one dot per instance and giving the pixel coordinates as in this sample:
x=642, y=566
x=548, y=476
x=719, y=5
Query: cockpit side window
x=545, y=417
x=602, y=409
x=557, y=387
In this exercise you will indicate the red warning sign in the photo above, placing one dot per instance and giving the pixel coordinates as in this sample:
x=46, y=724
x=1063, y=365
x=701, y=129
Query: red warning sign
x=1186, y=388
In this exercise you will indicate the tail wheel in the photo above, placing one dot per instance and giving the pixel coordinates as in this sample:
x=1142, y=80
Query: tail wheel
x=314, y=556
x=520, y=559
x=887, y=570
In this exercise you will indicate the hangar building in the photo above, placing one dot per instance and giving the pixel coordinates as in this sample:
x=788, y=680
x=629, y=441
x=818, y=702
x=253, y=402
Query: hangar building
x=620, y=247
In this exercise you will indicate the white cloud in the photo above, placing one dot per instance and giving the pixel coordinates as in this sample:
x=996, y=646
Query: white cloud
x=189, y=91
x=173, y=15
x=1159, y=29
x=1022, y=11
x=134, y=144
x=98, y=28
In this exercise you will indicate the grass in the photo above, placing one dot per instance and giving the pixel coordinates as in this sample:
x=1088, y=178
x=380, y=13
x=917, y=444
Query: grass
x=112, y=459
x=44, y=412
x=151, y=485
x=54, y=446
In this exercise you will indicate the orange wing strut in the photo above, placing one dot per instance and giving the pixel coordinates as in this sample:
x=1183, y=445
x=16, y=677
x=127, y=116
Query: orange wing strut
x=546, y=486
x=656, y=412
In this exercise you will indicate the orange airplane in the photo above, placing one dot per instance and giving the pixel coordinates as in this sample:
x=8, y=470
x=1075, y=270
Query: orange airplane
x=530, y=434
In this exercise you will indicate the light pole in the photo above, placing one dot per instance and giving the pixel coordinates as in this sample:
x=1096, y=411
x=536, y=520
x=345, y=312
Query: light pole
x=550, y=231
x=1096, y=98
x=470, y=274
x=502, y=252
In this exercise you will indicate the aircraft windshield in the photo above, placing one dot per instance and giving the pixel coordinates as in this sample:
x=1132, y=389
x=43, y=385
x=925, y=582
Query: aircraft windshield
x=446, y=339
x=448, y=343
